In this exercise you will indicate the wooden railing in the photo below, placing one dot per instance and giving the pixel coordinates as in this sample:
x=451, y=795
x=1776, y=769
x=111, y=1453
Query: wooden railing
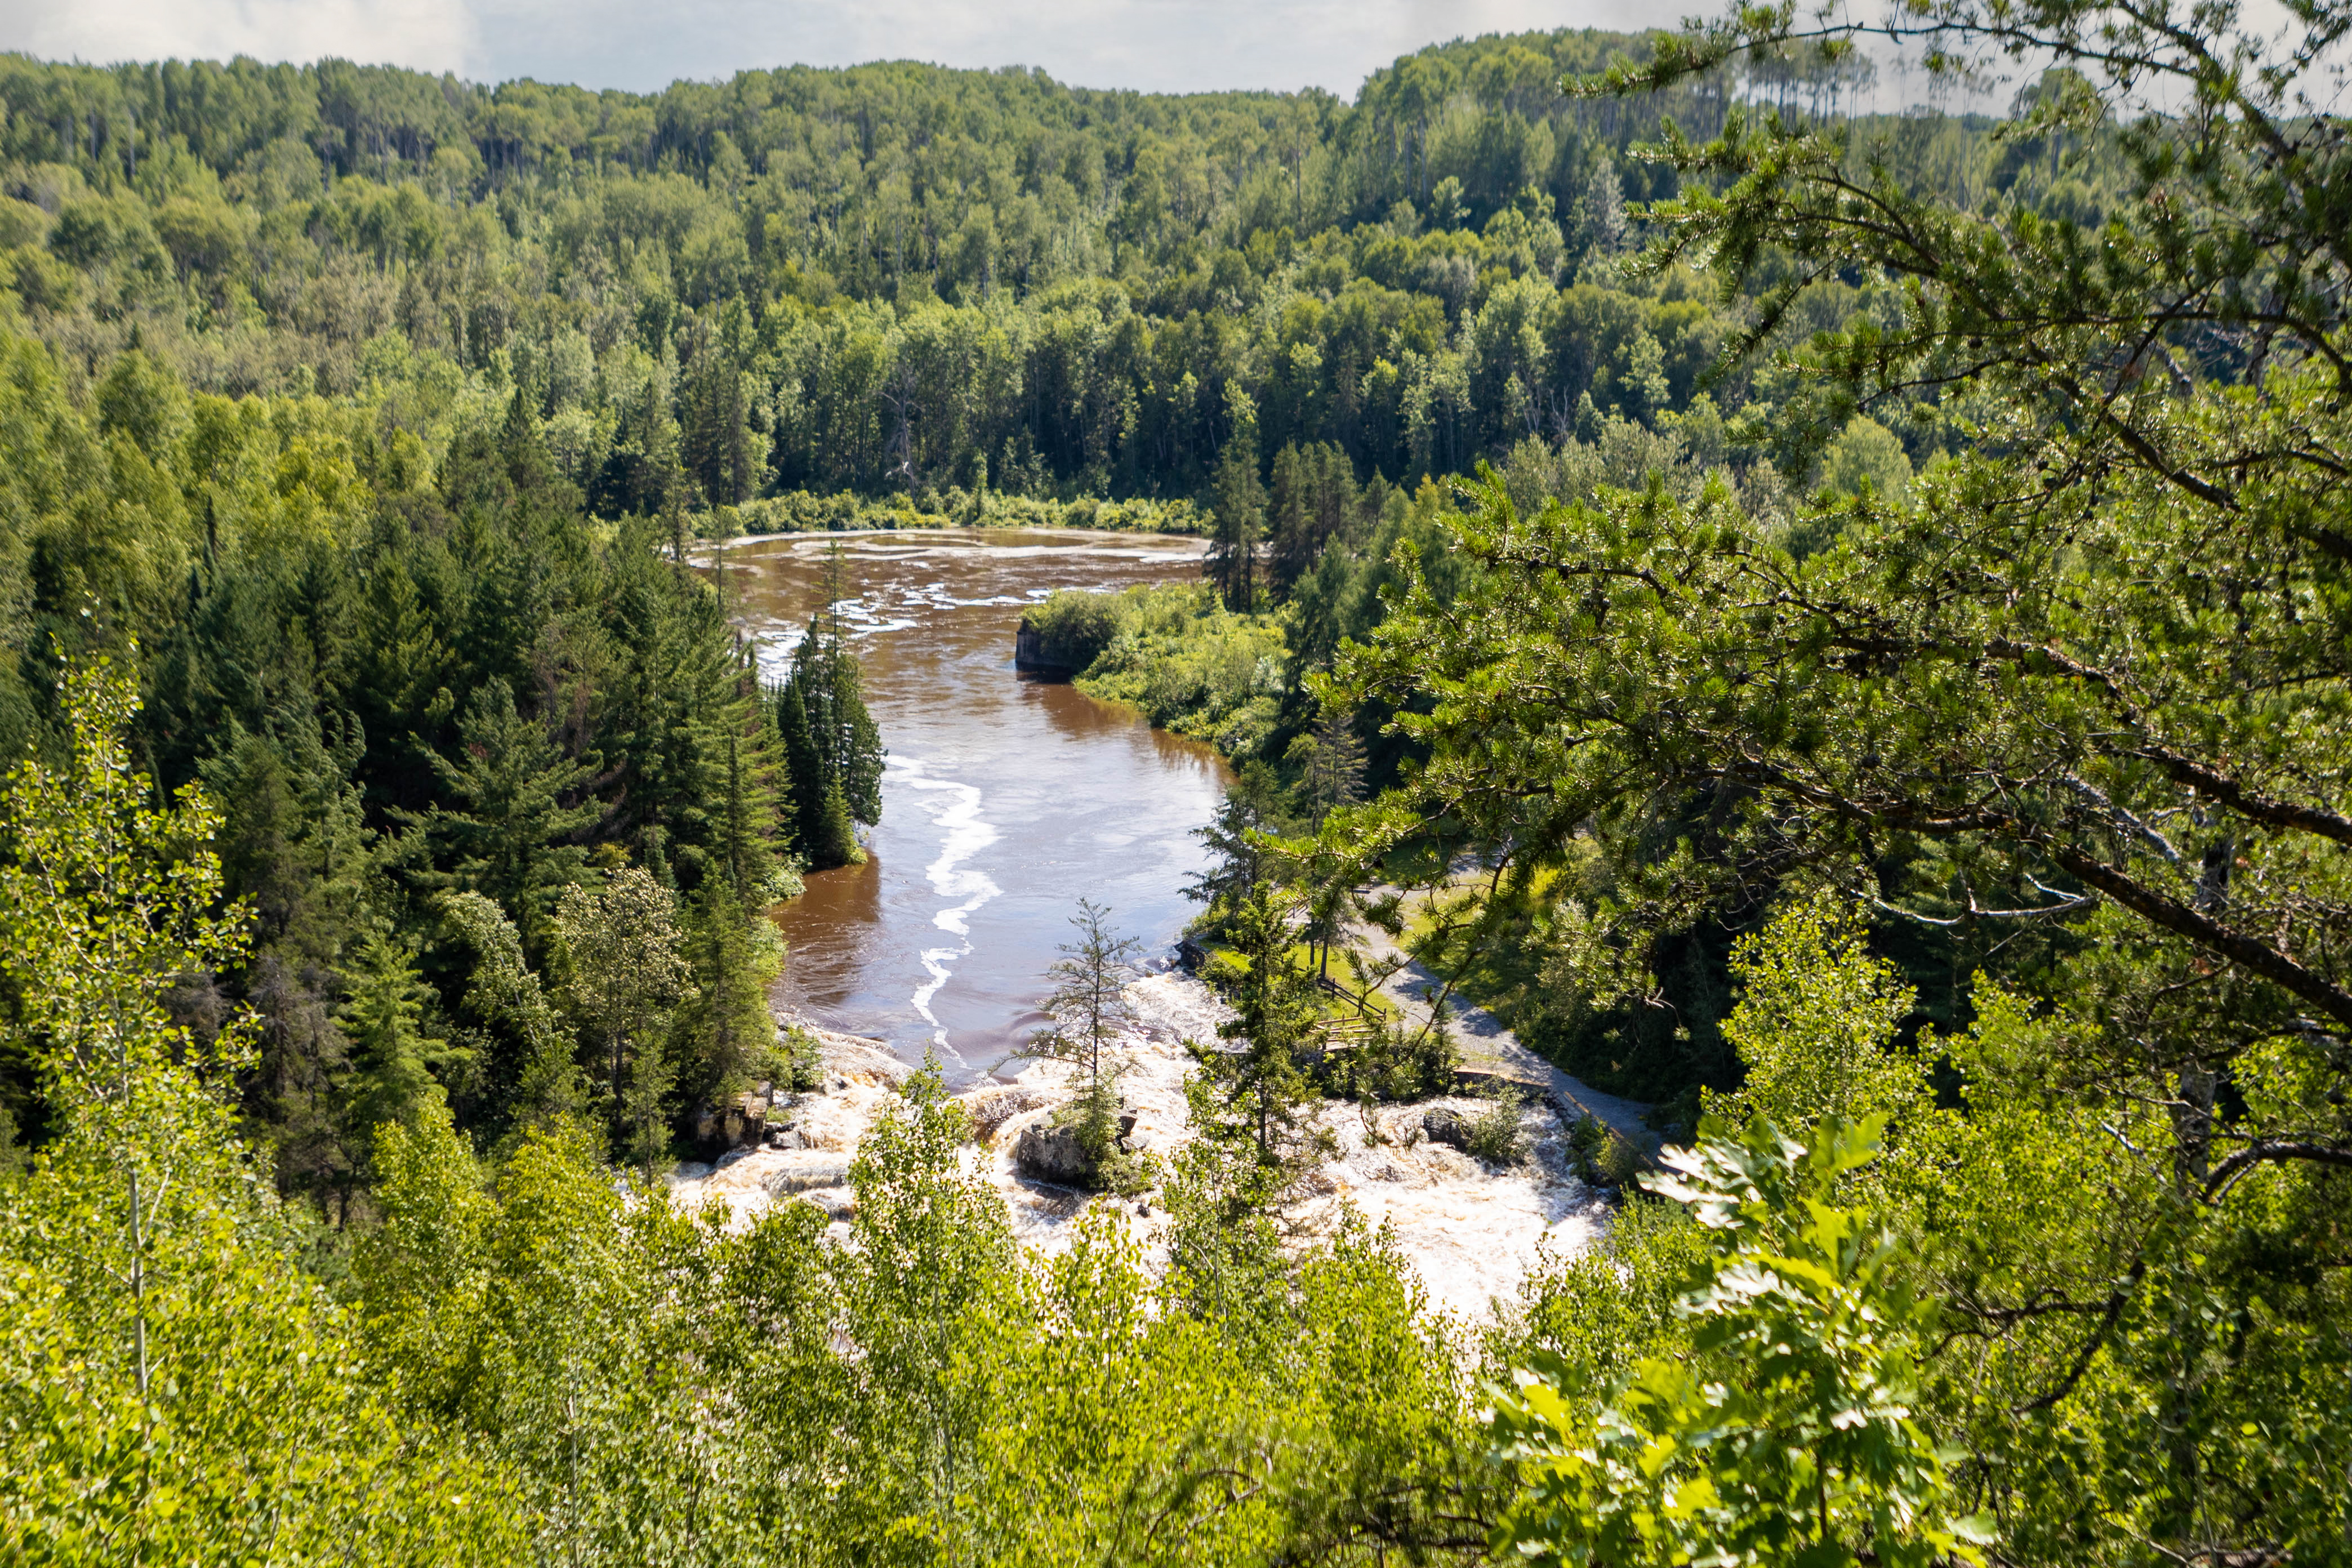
x=1347, y=1034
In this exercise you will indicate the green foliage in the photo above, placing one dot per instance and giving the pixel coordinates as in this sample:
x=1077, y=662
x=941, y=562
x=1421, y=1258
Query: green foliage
x=1867, y=459
x=405, y=665
x=1186, y=662
x=1398, y=1062
x=1056, y=302
x=1495, y=1135
x=805, y=1068
x=174, y=1384
x=832, y=752
x=529, y=1078
x=1787, y=1434
x=725, y=1034
x=394, y=1062
x=622, y=948
x=381, y=409
x=510, y=835
x=1255, y=1090
x=553, y=1326
x=1815, y=1024
x=1088, y=1004
x=1591, y=1315
x=1074, y=626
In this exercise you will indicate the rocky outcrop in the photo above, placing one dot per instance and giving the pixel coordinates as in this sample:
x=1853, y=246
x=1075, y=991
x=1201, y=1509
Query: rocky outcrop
x=1050, y=1153
x=1032, y=655
x=991, y=1109
x=740, y=1123
x=1448, y=1126
x=805, y=1170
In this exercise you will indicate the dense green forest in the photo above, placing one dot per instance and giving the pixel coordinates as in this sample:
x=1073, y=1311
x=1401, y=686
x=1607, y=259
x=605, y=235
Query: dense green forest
x=1864, y=595
x=893, y=279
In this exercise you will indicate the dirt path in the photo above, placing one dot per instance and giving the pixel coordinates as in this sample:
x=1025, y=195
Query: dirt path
x=1485, y=1044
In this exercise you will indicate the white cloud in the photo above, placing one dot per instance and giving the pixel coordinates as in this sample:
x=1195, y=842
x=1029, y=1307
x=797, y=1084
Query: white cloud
x=1151, y=44
x=1167, y=46
x=431, y=35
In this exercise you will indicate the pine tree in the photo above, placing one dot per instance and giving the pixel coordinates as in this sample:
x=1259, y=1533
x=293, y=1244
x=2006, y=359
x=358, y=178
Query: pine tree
x=834, y=840
x=1314, y=502
x=1088, y=1007
x=1258, y=1094
x=1335, y=765
x=1239, y=504
x=1233, y=838
x=529, y=1078
x=1232, y=562
x=716, y=443
x=516, y=836
x=725, y=1029
x=1088, y=1003
x=833, y=748
x=394, y=1058
x=804, y=769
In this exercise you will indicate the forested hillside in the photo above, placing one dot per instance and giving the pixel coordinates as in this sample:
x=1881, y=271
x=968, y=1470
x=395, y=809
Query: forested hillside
x=369, y=417
x=894, y=278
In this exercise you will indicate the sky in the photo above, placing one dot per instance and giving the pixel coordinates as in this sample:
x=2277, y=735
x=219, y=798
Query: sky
x=1162, y=46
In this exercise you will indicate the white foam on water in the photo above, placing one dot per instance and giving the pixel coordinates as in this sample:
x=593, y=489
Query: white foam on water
x=962, y=834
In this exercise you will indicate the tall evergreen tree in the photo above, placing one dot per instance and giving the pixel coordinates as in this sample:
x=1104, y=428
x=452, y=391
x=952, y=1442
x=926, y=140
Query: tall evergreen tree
x=522, y=809
x=832, y=746
x=1257, y=1092
x=394, y=1060
x=1232, y=562
x=715, y=446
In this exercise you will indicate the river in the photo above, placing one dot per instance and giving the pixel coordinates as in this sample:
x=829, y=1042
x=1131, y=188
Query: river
x=1004, y=799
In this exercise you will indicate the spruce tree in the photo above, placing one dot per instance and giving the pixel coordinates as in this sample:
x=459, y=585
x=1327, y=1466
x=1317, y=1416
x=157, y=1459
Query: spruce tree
x=1258, y=1094
x=392, y=1057
x=1335, y=765
x=804, y=769
x=1240, y=504
x=831, y=747
x=1088, y=1007
x=726, y=1030
x=516, y=833
x=716, y=443
x=833, y=841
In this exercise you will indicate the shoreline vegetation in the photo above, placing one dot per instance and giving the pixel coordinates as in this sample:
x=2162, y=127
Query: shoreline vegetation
x=801, y=511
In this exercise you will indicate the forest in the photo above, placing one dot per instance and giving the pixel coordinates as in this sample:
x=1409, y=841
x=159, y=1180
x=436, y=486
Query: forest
x=1839, y=617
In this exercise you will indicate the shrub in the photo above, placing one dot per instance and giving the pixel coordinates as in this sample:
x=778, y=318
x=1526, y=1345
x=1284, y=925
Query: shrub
x=1074, y=626
x=1496, y=1136
x=1620, y=1162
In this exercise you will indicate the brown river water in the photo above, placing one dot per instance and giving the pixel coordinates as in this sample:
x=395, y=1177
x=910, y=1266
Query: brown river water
x=1006, y=798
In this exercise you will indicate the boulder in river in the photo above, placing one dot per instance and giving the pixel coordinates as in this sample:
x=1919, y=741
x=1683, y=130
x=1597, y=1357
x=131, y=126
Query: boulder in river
x=1446, y=1125
x=801, y=1170
x=1050, y=1153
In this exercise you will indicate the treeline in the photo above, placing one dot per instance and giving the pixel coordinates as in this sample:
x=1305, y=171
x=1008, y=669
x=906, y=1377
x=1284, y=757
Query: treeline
x=899, y=279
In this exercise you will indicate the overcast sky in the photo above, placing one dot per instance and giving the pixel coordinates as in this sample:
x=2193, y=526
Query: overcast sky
x=1156, y=45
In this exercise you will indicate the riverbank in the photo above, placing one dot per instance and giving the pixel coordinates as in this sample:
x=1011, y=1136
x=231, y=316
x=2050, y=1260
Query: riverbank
x=1173, y=653
x=845, y=511
x=1473, y=1232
